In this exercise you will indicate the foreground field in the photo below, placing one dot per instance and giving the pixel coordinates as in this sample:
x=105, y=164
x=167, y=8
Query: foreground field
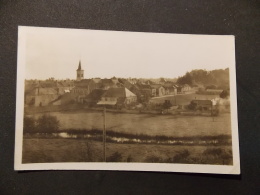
x=71, y=150
x=168, y=125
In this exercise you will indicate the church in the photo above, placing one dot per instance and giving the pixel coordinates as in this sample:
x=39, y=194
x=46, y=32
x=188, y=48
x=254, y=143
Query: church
x=111, y=89
x=80, y=73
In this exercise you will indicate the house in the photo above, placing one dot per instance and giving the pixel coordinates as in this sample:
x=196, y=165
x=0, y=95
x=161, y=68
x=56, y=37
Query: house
x=179, y=89
x=147, y=90
x=168, y=84
x=108, y=83
x=170, y=90
x=40, y=96
x=160, y=90
x=186, y=88
x=119, y=97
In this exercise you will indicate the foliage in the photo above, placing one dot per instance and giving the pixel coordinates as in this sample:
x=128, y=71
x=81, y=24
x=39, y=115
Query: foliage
x=29, y=125
x=219, y=78
x=115, y=157
x=167, y=104
x=153, y=159
x=218, y=153
x=129, y=159
x=44, y=124
x=215, y=112
x=213, y=152
x=224, y=94
x=192, y=106
x=47, y=123
x=181, y=156
x=186, y=79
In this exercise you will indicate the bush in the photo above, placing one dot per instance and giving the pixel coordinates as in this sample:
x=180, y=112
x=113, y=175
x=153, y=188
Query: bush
x=44, y=124
x=181, y=157
x=115, y=157
x=153, y=159
x=216, y=152
x=224, y=94
x=222, y=156
x=29, y=125
x=47, y=123
x=129, y=159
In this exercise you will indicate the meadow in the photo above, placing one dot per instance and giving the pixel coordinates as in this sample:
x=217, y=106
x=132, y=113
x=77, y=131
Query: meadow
x=150, y=124
x=39, y=150
x=74, y=150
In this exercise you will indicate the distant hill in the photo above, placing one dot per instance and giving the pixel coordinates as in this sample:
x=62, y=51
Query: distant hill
x=218, y=78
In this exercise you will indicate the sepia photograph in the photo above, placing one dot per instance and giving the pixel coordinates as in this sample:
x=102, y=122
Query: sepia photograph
x=133, y=101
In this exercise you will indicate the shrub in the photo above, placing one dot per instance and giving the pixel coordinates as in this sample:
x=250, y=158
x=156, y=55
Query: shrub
x=219, y=155
x=152, y=159
x=216, y=152
x=224, y=94
x=129, y=159
x=115, y=157
x=29, y=125
x=181, y=156
x=47, y=123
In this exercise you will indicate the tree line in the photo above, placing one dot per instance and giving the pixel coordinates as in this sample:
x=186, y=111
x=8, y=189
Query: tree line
x=218, y=78
x=43, y=124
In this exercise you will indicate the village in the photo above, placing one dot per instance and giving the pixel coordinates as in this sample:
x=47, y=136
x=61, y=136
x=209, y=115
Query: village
x=124, y=95
x=105, y=117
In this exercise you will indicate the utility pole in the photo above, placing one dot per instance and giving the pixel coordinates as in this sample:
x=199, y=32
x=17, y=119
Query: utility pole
x=175, y=98
x=104, y=134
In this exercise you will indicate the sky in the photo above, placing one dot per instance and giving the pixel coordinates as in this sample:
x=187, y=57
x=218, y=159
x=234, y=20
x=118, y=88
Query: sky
x=56, y=52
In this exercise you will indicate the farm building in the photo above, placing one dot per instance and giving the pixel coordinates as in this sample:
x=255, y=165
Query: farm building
x=120, y=96
x=170, y=90
x=160, y=90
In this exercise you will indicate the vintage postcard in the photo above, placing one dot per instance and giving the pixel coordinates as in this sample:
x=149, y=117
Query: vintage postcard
x=111, y=100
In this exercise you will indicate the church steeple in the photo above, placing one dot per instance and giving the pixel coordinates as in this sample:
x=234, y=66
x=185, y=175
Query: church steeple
x=80, y=72
x=79, y=68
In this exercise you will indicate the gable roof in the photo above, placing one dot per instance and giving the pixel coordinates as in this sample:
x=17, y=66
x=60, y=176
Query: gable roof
x=156, y=86
x=118, y=92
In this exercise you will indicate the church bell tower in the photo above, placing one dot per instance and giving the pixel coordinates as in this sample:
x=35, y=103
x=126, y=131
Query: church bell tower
x=80, y=72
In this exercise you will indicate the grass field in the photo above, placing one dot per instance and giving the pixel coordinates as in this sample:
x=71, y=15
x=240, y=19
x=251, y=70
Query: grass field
x=71, y=150
x=183, y=99
x=169, y=125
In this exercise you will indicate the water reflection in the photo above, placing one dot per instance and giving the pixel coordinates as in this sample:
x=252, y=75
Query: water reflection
x=98, y=137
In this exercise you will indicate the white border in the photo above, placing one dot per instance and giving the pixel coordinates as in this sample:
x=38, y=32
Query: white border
x=163, y=167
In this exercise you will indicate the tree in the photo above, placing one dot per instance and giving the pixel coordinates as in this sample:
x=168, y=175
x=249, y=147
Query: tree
x=224, y=94
x=29, y=125
x=47, y=123
x=186, y=79
x=167, y=104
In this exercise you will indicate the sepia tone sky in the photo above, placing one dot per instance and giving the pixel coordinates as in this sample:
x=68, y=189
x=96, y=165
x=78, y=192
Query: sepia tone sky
x=53, y=52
